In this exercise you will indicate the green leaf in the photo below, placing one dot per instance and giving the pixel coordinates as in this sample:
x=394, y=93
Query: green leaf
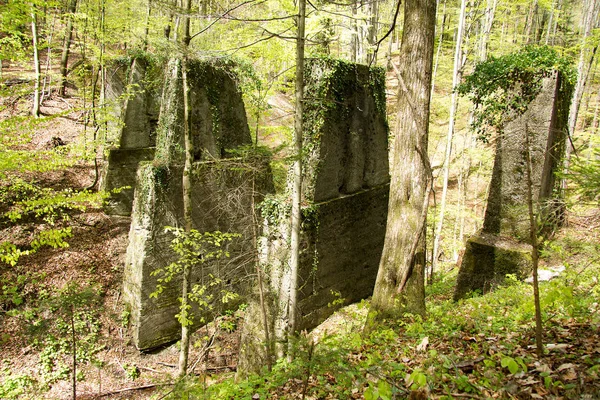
x=384, y=389
x=511, y=364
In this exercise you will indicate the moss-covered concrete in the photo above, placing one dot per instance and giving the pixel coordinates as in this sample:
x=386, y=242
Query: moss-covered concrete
x=132, y=90
x=345, y=199
x=487, y=261
x=218, y=117
x=120, y=174
x=224, y=190
x=498, y=249
x=223, y=193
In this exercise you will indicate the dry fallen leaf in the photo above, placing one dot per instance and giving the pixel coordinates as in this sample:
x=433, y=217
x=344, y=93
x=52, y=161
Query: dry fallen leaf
x=571, y=375
x=565, y=366
x=423, y=346
x=543, y=368
x=559, y=347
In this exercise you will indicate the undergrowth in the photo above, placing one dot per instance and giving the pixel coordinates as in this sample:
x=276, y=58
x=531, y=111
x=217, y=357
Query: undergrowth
x=480, y=347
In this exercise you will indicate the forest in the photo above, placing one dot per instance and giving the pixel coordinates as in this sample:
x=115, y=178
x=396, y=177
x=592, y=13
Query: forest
x=299, y=199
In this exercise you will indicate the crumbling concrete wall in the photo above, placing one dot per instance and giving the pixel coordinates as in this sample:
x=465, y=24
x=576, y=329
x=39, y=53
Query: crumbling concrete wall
x=223, y=194
x=218, y=116
x=131, y=95
x=224, y=191
x=502, y=246
x=345, y=200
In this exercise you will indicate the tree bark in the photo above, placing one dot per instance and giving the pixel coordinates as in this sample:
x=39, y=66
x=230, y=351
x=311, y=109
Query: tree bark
x=187, y=191
x=400, y=280
x=64, y=60
x=297, y=168
x=453, y=106
x=372, y=32
x=354, y=42
x=589, y=17
x=533, y=230
x=490, y=13
x=438, y=52
x=35, y=109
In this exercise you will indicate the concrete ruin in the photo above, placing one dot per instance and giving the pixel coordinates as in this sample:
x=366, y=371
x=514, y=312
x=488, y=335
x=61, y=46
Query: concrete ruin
x=345, y=200
x=133, y=109
x=346, y=184
x=502, y=246
x=224, y=190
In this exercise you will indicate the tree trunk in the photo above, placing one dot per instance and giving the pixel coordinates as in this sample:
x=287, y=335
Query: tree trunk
x=297, y=168
x=47, y=77
x=354, y=42
x=187, y=192
x=372, y=32
x=400, y=280
x=35, y=109
x=439, y=50
x=64, y=60
x=147, y=25
x=453, y=106
x=74, y=354
x=589, y=17
x=533, y=230
x=488, y=22
x=595, y=124
x=529, y=31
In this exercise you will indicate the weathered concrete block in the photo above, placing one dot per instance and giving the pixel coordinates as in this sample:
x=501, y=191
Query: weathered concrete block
x=218, y=116
x=342, y=241
x=223, y=193
x=500, y=247
x=345, y=193
x=346, y=130
x=487, y=261
x=120, y=173
x=131, y=133
x=131, y=94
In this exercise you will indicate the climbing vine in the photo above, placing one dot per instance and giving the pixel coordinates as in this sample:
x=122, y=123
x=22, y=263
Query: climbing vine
x=503, y=87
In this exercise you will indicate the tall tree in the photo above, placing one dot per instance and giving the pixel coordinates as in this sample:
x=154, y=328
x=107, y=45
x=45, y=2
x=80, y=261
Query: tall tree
x=297, y=171
x=64, y=60
x=458, y=56
x=586, y=55
x=35, y=109
x=400, y=279
x=187, y=187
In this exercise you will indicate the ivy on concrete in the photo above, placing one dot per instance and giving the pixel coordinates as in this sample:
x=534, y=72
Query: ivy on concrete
x=503, y=87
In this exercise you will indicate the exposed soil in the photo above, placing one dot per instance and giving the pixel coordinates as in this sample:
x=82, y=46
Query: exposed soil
x=95, y=256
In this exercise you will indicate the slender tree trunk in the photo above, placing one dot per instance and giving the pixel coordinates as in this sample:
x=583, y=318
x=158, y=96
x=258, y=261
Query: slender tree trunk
x=47, y=82
x=259, y=275
x=529, y=31
x=147, y=25
x=595, y=124
x=187, y=192
x=438, y=52
x=64, y=60
x=488, y=22
x=354, y=25
x=453, y=106
x=372, y=32
x=534, y=248
x=35, y=110
x=297, y=168
x=74, y=354
x=589, y=17
x=400, y=279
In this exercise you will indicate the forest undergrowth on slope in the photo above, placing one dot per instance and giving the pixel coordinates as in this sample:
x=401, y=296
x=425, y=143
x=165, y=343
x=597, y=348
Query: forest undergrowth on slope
x=479, y=348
